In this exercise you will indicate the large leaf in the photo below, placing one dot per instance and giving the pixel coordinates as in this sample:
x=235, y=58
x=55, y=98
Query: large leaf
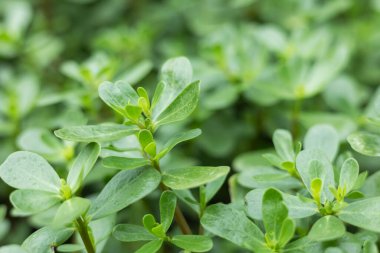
x=151, y=247
x=45, y=238
x=327, y=228
x=26, y=170
x=365, y=143
x=118, y=95
x=83, y=165
x=364, y=214
x=95, y=133
x=190, y=177
x=33, y=201
x=232, y=224
x=192, y=243
x=274, y=213
x=131, y=233
x=123, y=189
x=181, y=107
x=323, y=137
x=70, y=210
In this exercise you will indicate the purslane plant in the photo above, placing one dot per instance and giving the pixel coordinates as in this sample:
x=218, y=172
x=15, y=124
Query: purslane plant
x=175, y=98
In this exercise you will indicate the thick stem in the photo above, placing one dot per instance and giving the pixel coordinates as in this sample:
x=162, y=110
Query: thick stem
x=178, y=215
x=83, y=232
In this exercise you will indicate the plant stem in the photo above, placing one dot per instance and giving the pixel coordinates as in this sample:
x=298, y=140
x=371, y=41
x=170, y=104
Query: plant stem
x=83, y=232
x=178, y=215
x=295, y=118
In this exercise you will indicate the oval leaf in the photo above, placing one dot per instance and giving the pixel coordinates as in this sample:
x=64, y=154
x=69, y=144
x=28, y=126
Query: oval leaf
x=193, y=243
x=34, y=201
x=365, y=143
x=327, y=228
x=131, y=233
x=124, y=163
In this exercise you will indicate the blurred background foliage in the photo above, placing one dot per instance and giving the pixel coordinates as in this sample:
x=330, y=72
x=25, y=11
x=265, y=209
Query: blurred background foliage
x=263, y=65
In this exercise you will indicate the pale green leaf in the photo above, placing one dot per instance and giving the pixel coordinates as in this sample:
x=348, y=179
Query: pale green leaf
x=82, y=165
x=327, y=228
x=323, y=137
x=283, y=143
x=12, y=249
x=131, y=233
x=349, y=174
x=123, y=189
x=124, y=163
x=365, y=143
x=26, y=170
x=193, y=243
x=70, y=248
x=190, y=177
x=70, y=210
x=287, y=231
x=95, y=133
x=33, y=201
x=151, y=247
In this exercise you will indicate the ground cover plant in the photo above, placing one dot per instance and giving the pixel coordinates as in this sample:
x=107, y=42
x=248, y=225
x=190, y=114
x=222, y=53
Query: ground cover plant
x=189, y=126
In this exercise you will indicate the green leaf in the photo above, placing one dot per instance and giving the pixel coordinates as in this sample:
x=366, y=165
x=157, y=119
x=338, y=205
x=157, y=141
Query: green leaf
x=33, y=201
x=327, y=228
x=125, y=188
x=368, y=247
x=213, y=187
x=190, y=177
x=133, y=112
x=323, y=137
x=124, y=163
x=312, y=163
x=363, y=214
x=118, y=95
x=151, y=247
x=158, y=93
x=70, y=210
x=45, y=238
x=145, y=138
x=349, y=174
x=151, y=149
x=274, y=213
x=287, y=231
x=149, y=222
x=26, y=170
x=193, y=243
x=177, y=72
x=178, y=138
x=283, y=143
x=181, y=107
x=95, y=133
x=168, y=203
x=70, y=248
x=82, y=165
x=131, y=233
x=232, y=224
x=12, y=249
x=365, y=143
x=297, y=208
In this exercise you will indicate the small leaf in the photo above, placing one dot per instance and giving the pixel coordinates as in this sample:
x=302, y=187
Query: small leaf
x=70, y=210
x=193, y=243
x=150, y=149
x=327, y=228
x=283, y=143
x=287, y=231
x=145, y=138
x=33, y=201
x=158, y=93
x=168, y=203
x=118, y=95
x=178, y=138
x=131, y=233
x=323, y=137
x=133, y=112
x=231, y=224
x=363, y=214
x=151, y=247
x=190, y=177
x=365, y=143
x=124, y=163
x=95, y=133
x=82, y=165
x=26, y=170
x=125, y=188
x=182, y=106
x=149, y=222
x=349, y=174
x=274, y=213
